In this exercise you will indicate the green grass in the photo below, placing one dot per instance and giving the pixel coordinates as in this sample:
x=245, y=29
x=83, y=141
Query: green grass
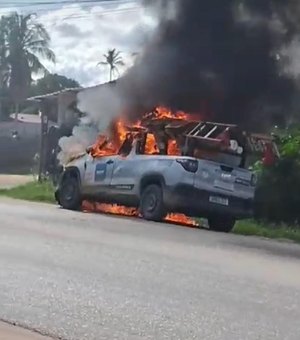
x=33, y=191
x=280, y=232
x=44, y=192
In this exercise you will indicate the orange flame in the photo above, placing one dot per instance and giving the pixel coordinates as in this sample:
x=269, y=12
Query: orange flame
x=164, y=113
x=114, y=209
x=110, y=143
x=151, y=146
x=173, y=148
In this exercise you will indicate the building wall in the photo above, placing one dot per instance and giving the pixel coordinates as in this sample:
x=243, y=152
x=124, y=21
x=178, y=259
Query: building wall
x=64, y=100
x=16, y=155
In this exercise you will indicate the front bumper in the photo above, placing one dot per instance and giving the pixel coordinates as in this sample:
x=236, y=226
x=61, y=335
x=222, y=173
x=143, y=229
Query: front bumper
x=191, y=201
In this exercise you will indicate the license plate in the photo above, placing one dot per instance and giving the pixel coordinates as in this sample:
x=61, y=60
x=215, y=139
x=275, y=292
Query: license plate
x=219, y=200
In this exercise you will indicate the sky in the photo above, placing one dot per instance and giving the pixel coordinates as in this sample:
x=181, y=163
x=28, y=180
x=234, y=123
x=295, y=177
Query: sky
x=82, y=32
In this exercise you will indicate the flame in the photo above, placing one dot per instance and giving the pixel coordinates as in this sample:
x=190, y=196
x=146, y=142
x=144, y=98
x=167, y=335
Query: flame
x=108, y=209
x=151, y=146
x=162, y=112
x=110, y=143
x=181, y=219
x=133, y=212
x=173, y=148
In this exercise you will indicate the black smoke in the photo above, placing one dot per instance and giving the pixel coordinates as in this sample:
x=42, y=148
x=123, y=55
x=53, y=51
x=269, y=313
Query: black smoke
x=220, y=58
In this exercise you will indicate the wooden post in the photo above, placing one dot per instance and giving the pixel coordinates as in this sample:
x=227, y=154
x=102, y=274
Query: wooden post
x=17, y=109
x=44, y=132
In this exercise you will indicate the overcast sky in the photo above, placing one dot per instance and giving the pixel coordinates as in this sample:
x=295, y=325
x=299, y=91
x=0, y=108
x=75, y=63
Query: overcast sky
x=82, y=33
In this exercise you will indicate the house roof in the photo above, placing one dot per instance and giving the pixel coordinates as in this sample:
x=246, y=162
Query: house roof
x=53, y=94
x=74, y=90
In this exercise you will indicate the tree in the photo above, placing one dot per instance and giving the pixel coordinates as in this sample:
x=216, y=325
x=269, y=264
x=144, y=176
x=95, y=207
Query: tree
x=113, y=59
x=52, y=83
x=26, y=42
x=4, y=67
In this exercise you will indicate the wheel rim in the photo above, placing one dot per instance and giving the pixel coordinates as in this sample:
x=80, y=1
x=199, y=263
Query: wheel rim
x=69, y=191
x=150, y=202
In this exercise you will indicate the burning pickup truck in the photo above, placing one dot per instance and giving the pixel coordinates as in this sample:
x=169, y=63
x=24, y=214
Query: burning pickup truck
x=168, y=165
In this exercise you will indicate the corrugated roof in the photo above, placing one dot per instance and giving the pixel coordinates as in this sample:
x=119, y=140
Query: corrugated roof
x=76, y=90
x=54, y=94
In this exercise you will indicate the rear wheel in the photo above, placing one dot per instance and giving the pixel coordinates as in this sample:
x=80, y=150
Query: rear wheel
x=152, y=206
x=221, y=223
x=69, y=194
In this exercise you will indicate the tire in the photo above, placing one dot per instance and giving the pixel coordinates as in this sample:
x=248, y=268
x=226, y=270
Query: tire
x=152, y=206
x=221, y=224
x=69, y=194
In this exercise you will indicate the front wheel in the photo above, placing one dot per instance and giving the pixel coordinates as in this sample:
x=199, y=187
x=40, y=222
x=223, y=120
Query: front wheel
x=69, y=194
x=152, y=205
x=221, y=224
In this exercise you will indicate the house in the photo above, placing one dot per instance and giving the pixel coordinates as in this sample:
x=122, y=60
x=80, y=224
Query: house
x=60, y=109
x=22, y=139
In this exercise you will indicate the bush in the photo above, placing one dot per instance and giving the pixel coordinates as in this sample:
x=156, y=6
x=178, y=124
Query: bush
x=278, y=192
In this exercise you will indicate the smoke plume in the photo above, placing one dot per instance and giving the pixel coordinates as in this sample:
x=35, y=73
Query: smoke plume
x=231, y=61
x=101, y=105
x=221, y=58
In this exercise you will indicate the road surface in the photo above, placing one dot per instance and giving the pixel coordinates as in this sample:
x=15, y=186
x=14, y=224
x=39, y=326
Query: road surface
x=84, y=276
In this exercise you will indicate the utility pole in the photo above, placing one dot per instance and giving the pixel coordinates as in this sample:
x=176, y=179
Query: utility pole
x=44, y=133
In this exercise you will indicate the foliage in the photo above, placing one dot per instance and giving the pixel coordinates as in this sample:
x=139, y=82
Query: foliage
x=281, y=231
x=52, y=83
x=113, y=59
x=278, y=192
x=23, y=41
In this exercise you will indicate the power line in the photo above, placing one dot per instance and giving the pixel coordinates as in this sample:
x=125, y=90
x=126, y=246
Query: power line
x=88, y=15
x=63, y=2
x=87, y=5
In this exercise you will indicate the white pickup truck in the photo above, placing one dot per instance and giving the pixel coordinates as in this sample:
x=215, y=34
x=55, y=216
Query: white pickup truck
x=161, y=184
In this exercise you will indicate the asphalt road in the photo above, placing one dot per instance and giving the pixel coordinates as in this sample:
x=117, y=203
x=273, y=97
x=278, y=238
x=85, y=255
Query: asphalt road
x=84, y=276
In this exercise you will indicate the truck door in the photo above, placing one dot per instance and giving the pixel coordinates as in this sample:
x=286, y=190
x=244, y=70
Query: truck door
x=98, y=174
x=124, y=175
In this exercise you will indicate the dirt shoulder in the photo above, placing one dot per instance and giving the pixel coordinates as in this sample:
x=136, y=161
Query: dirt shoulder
x=10, y=181
x=9, y=332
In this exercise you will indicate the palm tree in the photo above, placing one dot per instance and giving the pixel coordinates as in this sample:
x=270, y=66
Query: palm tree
x=27, y=41
x=113, y=59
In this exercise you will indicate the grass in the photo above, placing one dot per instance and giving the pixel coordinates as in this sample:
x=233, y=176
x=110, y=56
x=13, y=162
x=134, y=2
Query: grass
x=33, y=191
x=44, y=192
x=280, y=232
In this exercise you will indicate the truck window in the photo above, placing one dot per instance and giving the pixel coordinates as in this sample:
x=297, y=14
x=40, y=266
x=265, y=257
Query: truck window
x=127, y=145
x=151, y=147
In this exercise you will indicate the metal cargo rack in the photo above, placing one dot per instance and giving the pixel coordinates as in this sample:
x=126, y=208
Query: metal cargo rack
x=191, y=135
x=210, y=136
